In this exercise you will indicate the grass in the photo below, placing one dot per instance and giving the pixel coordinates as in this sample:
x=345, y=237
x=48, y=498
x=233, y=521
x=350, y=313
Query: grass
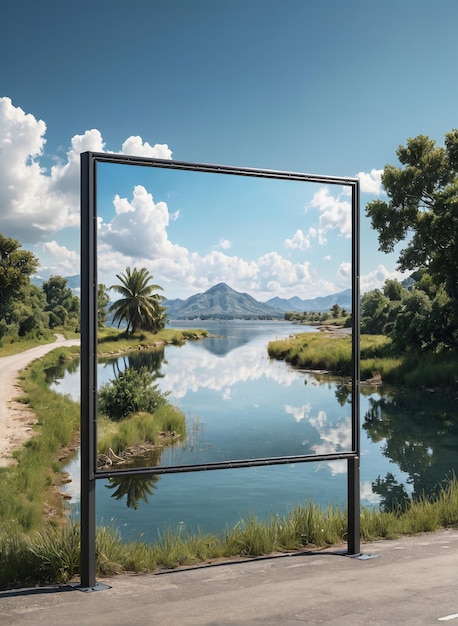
x=52, y=555
x=167, y=423
x=112, y=340
x=333, y=354
x=27, y=489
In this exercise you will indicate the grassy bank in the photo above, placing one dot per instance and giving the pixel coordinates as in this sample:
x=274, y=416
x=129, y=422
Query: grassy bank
x=29, y=489
x=325, y=352
x=27, y=492
x=52, y=555
x=112, y=341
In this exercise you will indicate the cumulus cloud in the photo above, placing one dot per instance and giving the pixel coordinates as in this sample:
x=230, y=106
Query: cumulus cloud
x=298, y=241
x=371, y=182
x=38, y=202
x=335, y=214
x=344, y=275
x=67, y=262
x=377, y=278
x=137, y=233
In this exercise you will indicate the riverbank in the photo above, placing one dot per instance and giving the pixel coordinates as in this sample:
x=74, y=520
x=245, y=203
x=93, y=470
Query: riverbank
x=327, y=351
x=16, y=418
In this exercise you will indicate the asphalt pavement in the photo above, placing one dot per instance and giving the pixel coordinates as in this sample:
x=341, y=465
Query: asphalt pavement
x=413, y=580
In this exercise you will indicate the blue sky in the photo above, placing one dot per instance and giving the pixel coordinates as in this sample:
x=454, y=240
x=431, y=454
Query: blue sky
x=329, y=87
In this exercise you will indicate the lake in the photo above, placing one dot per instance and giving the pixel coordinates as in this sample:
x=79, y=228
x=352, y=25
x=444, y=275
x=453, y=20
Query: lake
x=239, y=404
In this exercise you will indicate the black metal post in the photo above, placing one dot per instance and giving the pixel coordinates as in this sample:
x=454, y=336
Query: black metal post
x=353, y=475
x=88, y=371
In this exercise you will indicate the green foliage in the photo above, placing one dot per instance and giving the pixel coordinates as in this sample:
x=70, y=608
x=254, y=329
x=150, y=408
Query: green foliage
x=416, y=320
x=130, y=393
x=139, y=306
x=103, y=299
x=62, y=305
x=16, y=267
x=423, y=210
x=52, y=556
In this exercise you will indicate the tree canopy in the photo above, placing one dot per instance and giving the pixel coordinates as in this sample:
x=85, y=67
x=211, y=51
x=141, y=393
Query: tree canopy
x=16, y=267
x=140, y=307
x=422, y=209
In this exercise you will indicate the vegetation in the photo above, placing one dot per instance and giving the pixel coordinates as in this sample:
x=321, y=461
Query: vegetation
x=378, y=359
x=27, y=490
x=423, y=210
x=139, y=306
x=335, y=316
x=52, y=555
x=131, y=392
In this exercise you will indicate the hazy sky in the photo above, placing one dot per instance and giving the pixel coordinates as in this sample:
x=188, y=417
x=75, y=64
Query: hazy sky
x=330, y=87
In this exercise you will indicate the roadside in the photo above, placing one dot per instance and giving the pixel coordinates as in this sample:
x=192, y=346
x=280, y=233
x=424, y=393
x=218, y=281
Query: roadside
x=412, y=581
x=16, y=419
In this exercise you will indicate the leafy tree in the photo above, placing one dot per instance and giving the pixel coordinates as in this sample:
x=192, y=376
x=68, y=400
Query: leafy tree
x=103, y=299
x=16, y=267
x=336, y=311
x=139, y=306
x=130, y=393
x=422, y=207
x=62, y=305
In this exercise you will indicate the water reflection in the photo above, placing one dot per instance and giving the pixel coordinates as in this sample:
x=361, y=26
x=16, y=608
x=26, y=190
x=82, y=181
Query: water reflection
x=134, y=488
x=419, y=431
x=245, y=405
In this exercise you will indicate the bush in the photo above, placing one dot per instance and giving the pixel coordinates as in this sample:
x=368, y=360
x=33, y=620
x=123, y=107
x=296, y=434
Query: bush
x=133, y=391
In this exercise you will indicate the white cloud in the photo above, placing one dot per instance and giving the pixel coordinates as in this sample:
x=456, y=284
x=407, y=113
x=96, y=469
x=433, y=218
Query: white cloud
x=344, y=275
x=137, y=147
x=335, y=214
x=37, y=202
x=377, y=278
x=371, y=182
x=298, y=241
x=225, y=244
x=67, y=262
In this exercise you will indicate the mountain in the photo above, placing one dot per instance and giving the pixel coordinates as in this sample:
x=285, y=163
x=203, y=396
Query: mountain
x=320, y=304
x=72, y=281
x=220, y=301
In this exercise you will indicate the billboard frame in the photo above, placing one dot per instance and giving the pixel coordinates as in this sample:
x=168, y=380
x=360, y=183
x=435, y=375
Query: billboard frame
x=89, y=324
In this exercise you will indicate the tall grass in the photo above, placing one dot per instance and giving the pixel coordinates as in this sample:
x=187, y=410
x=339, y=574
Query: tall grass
x=166, y=421
x=325, y=352
x=52, y=555
x=27, y=490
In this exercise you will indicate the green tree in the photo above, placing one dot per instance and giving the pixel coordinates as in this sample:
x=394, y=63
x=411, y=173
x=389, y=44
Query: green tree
x=422, y=207
x=62, y=305
x=16, y=267
x=140, y=307
x=422, y=210
x=103, y=300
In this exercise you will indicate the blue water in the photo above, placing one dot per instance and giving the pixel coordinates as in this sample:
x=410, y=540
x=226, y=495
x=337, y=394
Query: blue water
x=239, y=404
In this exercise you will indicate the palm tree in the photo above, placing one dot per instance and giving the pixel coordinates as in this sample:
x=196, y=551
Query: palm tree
x=139, y=306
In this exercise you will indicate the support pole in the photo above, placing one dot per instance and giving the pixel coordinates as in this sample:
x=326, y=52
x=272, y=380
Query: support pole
x=88, y=372
x=353, y=472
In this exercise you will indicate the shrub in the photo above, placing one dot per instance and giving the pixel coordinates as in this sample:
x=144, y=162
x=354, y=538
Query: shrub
x=133, y=391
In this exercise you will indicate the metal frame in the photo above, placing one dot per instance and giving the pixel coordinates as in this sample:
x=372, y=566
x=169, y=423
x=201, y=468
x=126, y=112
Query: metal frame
x=89, y=472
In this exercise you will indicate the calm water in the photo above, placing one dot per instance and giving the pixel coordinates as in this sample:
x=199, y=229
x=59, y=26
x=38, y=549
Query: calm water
x=240, y=404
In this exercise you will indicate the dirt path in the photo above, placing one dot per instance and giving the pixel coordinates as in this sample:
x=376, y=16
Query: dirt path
x=16, y=420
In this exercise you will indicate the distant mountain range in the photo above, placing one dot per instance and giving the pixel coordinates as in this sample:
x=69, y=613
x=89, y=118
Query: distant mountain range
x=221, y=301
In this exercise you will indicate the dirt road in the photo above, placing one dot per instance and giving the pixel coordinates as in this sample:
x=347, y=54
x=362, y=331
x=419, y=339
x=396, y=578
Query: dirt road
x=16, y=420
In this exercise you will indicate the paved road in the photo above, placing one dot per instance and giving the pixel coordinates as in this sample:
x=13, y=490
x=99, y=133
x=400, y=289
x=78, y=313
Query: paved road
x=13, y=428
x=413, y=581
